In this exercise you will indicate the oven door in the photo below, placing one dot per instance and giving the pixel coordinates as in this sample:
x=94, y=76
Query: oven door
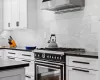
x=48, y=71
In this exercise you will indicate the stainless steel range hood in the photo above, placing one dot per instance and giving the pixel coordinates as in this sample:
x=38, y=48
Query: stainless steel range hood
x=63, y=5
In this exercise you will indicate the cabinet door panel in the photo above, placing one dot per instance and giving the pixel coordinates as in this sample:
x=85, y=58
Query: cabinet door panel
x=14, y=8
x=23, y=13
x=7, y=14
x=80, y=74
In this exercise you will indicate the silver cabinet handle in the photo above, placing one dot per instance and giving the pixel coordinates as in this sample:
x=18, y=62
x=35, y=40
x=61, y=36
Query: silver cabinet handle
x=27, y=76
x=17, y=23
x=80, y=62
x=80, y=70
x=26, y=61
x=11, y=53
x=26, y=55
x=8, y=24
x=10, y=58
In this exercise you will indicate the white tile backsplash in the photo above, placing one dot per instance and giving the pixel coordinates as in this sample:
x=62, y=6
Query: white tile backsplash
x=74, y=29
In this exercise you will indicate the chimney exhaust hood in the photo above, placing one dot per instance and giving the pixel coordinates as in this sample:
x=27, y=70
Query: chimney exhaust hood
x=63, y=5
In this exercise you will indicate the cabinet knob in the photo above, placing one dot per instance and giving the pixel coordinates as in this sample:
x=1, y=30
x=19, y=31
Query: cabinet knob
x=17, y=23
x=8, y=24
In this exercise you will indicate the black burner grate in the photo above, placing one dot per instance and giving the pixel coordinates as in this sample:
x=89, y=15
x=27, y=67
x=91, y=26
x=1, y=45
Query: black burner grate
x=63, y=49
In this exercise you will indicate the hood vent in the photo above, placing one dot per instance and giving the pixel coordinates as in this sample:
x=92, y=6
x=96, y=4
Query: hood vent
x=46, y=0
x=67, y=6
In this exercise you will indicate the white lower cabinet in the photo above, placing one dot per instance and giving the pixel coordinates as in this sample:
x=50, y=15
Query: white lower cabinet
x=81, y=74
x=80, y=68
x=29, y=71
x=14, y=74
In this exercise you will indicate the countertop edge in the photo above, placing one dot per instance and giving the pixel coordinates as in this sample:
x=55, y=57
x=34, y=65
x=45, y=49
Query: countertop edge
x=17, y=49
x=14, y=66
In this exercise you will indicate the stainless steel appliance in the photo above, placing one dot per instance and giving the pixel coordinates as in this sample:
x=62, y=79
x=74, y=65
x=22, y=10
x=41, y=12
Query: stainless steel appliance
x=60, y=5
x=50, y=63
x=52, y=41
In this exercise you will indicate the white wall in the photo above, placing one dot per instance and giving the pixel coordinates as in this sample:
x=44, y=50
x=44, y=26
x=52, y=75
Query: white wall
x=74, y=29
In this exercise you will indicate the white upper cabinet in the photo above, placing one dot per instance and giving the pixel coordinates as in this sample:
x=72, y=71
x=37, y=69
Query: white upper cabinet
x=23, y=13
x=20, y=14
x=15, y=14
x=7, y=14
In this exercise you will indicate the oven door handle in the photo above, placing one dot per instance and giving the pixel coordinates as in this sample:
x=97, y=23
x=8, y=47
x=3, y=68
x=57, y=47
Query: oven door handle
x=49, y=65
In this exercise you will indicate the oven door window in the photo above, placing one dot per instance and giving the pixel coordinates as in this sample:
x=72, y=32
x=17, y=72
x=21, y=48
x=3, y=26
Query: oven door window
x=48, y=72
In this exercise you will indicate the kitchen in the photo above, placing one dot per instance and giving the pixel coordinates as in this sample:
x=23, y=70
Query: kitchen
x=73, y=29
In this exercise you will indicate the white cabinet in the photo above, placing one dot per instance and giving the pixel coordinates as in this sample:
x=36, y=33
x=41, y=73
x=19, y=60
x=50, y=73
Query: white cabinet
x=20, y=14
x=26, y=55
x=11, y=54
x=82, y=62
x=23, y=56
x=80, y=74
x=7, y=14
x=23, y=13
x=15, y=13
x=80, y=68
x=12, y=11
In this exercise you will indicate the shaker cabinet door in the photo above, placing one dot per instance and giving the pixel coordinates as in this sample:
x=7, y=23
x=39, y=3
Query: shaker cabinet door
x=7, y=14
x=23, y=13
x=15, y=12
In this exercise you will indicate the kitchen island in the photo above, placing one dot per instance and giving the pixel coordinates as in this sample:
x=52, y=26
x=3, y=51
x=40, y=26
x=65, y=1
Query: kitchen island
x=12, y=70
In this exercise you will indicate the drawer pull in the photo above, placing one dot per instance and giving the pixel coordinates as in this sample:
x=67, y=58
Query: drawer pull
x=8, y=24
x=26, y=61
x=17, y=23
x=80, y=70
x=81, y=62
x=11, y=53
x=10, y=58
x=27, y=76
x=26, y=55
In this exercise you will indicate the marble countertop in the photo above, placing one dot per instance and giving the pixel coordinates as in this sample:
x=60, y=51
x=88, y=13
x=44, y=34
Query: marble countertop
x=20, y=49
x=82, y=54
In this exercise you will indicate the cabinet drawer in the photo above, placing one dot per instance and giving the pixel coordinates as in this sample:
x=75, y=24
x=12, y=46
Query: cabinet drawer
x=88, y=63
x=27, y=55
x=81, y=74
x=11, y=53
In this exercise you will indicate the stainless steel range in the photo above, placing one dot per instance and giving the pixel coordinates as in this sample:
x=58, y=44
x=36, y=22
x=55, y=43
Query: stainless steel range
x=50, y=63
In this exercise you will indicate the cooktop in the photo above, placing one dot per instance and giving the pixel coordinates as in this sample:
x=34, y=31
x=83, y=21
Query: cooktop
x=62, y=49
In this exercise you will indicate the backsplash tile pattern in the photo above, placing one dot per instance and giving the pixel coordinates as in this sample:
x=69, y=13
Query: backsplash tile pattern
x=75, y=29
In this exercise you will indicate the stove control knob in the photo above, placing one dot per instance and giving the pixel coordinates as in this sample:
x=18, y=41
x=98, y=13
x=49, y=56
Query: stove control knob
x=57, y=57
x=43, y=55
x=50, y=56
x=47, y=56
x=38, y=55
x=60, y=58
x=35, y=55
